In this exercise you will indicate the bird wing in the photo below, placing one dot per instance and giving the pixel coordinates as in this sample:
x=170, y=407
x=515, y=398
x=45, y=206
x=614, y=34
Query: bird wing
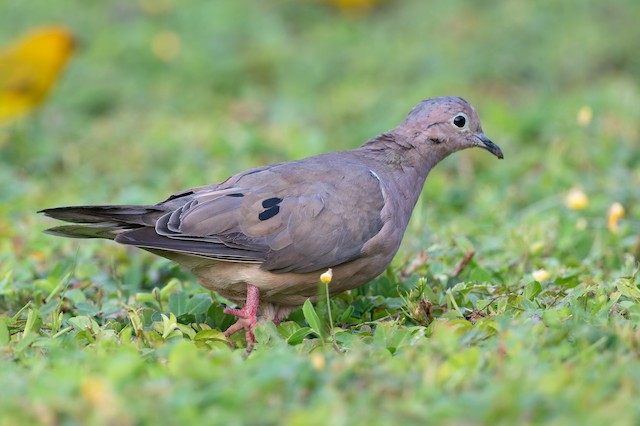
x=299, y=216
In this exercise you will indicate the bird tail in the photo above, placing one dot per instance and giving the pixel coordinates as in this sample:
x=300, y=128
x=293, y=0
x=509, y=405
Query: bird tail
x=101, y=221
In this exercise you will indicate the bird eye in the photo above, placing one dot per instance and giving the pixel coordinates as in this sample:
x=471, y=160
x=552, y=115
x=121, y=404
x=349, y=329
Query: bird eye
x=460, y=120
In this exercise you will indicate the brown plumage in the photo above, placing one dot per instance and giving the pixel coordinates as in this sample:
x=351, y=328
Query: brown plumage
x=266, y=234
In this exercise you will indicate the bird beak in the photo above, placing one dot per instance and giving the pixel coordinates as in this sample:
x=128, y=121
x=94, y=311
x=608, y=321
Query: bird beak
x=484, y=142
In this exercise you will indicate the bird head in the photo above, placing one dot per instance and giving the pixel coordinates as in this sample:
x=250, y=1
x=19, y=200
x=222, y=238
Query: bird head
x=443, y=126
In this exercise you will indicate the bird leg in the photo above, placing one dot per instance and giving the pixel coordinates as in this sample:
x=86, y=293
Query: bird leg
x=247, y=316
x=281, y=313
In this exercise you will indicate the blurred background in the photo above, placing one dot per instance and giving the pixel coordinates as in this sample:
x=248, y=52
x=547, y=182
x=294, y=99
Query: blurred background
x=161, y=95
x=128, y=101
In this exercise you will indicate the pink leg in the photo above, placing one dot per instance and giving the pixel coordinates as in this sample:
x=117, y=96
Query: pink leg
x=247, y=316
x=281, y=313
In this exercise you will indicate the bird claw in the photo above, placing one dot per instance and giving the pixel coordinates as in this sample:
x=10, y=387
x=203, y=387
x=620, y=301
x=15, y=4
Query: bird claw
x=247, y=316
x=245, y=321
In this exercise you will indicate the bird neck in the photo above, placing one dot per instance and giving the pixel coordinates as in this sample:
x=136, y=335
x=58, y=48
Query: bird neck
x=401, y=154
x=403, y=168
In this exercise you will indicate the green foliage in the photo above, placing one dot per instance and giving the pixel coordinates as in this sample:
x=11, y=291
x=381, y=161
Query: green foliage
x=457, y=331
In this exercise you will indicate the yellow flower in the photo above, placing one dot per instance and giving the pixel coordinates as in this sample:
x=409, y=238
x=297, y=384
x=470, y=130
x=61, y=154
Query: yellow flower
x=616, y=212
x=100, y=395
x=327, y=276
x=317, y=361
x=156, y=7
x=541, y=275
x=576, y=199
x=354, y=6
x=30, y=67
x=166, y=45
x=585, y=115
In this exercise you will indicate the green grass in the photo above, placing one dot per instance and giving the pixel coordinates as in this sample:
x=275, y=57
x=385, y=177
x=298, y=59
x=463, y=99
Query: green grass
x=94, y=333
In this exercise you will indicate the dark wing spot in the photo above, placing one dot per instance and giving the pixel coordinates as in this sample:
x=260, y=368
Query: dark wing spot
x=270, y=202
x=178, y=195
x=237, y=194
x=269, y=213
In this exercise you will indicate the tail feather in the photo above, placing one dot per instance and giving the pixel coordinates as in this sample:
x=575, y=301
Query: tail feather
x=107, y=231
x=130, y=215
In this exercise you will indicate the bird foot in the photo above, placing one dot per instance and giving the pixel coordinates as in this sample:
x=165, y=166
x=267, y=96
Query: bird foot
x=247, y=316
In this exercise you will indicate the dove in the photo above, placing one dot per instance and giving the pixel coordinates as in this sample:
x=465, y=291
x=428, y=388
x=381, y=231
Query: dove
x=264, y=236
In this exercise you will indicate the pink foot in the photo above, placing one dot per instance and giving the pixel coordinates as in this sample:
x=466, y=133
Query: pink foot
x=247, y=316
